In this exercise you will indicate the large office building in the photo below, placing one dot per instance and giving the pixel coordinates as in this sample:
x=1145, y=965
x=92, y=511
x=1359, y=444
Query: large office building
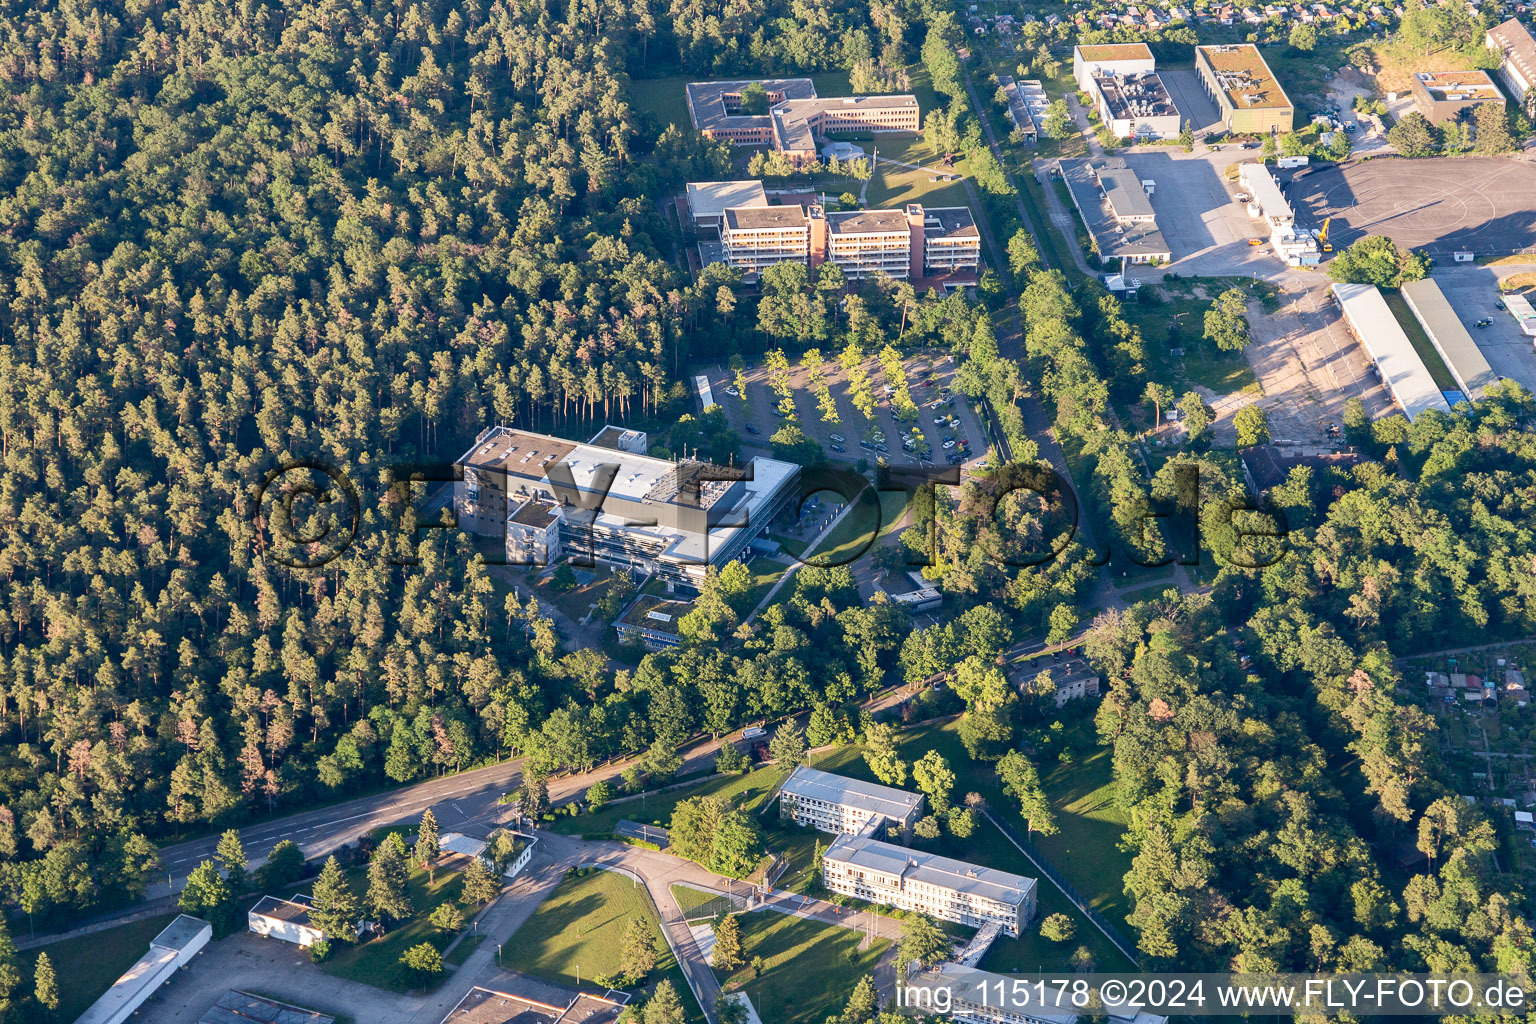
x=1110, y=59
x=1450, y=337
x=607, y=501
x=1518, y=70
x=833, y=803
x=1445, y=96
x=795, y=117
x=1116, y=210
x=1371, y=321
x=951, y=890
x=907, y=244
x=1245, y=89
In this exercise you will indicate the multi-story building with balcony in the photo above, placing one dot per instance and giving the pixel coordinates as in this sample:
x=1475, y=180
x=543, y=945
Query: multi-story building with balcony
x=755, y=237
x=833, y=803
x=940, y=887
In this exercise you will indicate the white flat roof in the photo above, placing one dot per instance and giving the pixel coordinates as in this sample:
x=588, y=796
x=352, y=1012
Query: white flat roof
x=893, y=803
x=1265, y=191
x=1450, y=337
x=707, y=199
x=1384, y=341
x=149, y=972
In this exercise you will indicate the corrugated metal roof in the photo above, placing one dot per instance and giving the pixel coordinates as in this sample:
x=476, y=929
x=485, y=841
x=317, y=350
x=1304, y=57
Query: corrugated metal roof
x=1404, y=372
x=1451, y=339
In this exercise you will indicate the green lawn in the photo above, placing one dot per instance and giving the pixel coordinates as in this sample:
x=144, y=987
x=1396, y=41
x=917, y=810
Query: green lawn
x=575, y=936
x=797, y=846
x=809, y=968
x=663, y=98
x=377, y=962
x=1087, y=848
x=1179, y=322
x=765, y=573
x=464, y=949
x=854, y=535
x=1421, y=343
x=689, y=900
x=746, y=791
x=87, y=966
x=574, y=603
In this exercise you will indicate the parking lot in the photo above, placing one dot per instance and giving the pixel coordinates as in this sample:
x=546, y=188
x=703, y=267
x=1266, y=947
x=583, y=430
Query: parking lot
x=1472, y=292
x=852, y=437
x=1207, y=229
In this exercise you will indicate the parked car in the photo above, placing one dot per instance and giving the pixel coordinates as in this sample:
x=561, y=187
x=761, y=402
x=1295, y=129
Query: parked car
x=949, y=444
x=1499, y=304
x=838, y=438
x=733, y=392
x=752, y=430
x=838, y=448
x=1485, y=322
x=866, y=444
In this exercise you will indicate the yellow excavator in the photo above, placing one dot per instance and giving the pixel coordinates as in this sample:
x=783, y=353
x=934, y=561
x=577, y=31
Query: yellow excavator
x=1322, y=236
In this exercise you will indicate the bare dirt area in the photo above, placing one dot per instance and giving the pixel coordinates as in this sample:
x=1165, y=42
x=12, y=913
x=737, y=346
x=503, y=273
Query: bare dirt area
x=1309, y=366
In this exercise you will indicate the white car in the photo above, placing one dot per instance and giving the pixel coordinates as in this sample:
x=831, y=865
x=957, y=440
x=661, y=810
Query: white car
x=949, y=444
x=733, y=392
x=837, y=437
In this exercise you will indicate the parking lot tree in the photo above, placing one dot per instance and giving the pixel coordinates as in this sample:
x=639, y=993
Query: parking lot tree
x=1414, y=136
x=388, y=897
x=335, y=909
x=423, y=961
x=1303, y=37
x=1187, y=137
x=1292, y=144
x=446, y=918
x=731, y=760
x=480, y=884
x=1197, y=415
x=1252, y=426
x=1339, y=146
x=427, y=847
x=1226, y=321
x=1493, y=132
x=1267, y=149
x=1058, y=120
x=1377, y=260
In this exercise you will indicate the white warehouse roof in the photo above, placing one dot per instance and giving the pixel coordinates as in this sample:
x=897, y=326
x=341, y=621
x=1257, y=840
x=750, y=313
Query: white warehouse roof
x=1404, y=373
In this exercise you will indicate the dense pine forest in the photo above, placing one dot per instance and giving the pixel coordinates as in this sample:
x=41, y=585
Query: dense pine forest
x=358, y=233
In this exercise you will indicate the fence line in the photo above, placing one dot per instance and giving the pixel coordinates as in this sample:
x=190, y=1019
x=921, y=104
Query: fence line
x=1079, y=901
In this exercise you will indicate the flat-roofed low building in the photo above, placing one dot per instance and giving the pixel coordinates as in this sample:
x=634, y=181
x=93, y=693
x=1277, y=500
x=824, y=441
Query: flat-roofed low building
x=1245, y=89
x=1466, y=362
x=708, y=200
x=1452, y=95
x=1135, y=106
x=652, y=622
x=1026, y=104
x=844, y=806
x=1115, y=209
x=1110, y=59
x=1372, y=322
x=236, y=1007
x=174, y=947
x=536, y=1002
x=940, y=887
x=276, y=918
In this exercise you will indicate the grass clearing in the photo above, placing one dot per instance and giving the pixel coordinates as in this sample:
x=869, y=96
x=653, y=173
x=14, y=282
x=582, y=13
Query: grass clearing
x=377, y=962
x=664, y=99
x=809, y=968
x=1178, y=323
x=690, y=899
x=1421, y=343
x=88, y=965
x=747, y=791
x=576, y=935
x=852, y=536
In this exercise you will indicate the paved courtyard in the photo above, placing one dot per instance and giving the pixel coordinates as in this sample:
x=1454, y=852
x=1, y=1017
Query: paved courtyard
x=1206, y=227
x=1472, y=292
x=1483, y=204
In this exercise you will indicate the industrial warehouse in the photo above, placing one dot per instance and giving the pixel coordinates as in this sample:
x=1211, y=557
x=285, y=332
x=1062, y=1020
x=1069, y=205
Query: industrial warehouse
x=1371, y=321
